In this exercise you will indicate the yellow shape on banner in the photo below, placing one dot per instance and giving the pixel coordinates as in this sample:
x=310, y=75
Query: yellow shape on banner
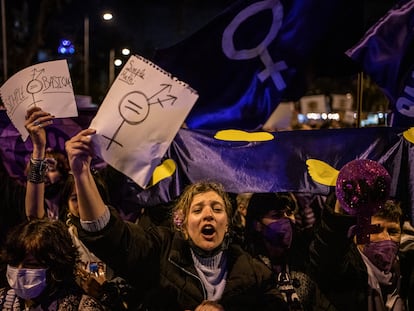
x=238, y=135
x=322, y=172
x=409, y=135
x=164, y=170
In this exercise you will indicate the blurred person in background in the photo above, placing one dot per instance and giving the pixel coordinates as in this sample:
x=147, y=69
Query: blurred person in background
x=272, y=236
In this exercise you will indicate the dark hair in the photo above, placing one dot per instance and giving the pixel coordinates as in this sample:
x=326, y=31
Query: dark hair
x=62, y=164
x=68, y=189
x=49, y=242
x=391, y=211
x=259, y=205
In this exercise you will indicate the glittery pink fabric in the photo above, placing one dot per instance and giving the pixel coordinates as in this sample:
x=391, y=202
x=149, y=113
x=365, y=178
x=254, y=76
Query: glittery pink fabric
x=362, y=187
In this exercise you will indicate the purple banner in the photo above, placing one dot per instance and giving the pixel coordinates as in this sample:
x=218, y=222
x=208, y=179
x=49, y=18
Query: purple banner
x=386, y=54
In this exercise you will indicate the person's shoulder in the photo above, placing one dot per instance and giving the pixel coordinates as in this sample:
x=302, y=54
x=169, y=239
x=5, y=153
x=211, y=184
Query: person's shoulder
x=151, y=228
x=88, y=303
x=243, y=257
x=72, y=297
x=161, y=235
x=80, y=301
x=236, y=250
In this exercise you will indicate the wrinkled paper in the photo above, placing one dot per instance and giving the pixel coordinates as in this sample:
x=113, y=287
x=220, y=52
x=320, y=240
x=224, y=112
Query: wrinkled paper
x=47, y=85
x=139, y=117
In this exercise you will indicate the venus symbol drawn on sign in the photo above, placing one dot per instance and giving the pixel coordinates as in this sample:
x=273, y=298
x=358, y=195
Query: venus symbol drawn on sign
x=272, y=69
x=35, y=85
x=134, y=108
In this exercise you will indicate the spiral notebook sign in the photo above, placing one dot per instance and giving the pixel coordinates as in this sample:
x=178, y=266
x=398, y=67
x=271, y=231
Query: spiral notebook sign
x=139, y=118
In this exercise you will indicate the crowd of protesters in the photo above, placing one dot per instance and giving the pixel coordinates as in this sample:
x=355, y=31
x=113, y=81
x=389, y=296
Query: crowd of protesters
x=206, y=250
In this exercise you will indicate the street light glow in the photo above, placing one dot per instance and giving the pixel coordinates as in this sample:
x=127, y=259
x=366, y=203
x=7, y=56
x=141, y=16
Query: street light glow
x=117, y=62
x=125, y=51
x=107, y=16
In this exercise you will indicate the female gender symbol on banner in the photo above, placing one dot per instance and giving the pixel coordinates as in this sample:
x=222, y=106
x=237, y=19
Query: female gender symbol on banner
x=134, y=108
x=271, y=68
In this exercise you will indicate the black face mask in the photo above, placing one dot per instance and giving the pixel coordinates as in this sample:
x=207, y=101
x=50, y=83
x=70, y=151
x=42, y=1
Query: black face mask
x=52, y=190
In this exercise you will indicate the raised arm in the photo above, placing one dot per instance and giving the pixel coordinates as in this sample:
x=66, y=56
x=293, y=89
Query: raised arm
x=36, y=121
x=80, y=152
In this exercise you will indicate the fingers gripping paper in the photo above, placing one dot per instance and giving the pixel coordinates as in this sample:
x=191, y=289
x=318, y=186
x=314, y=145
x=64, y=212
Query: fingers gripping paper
x=140, y=117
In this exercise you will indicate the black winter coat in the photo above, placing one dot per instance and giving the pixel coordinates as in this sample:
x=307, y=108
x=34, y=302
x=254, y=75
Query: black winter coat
x=158, y=261
x=338, y=268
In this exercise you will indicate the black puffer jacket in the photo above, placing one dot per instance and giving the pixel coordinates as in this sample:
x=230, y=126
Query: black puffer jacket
x=338, y=268
x=158, y=261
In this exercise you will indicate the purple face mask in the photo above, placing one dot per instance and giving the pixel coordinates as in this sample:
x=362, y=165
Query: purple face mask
x=382, y=253
x=279, y=233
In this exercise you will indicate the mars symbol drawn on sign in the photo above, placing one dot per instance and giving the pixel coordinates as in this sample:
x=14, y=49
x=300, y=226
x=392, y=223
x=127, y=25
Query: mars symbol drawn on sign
x=134, y=108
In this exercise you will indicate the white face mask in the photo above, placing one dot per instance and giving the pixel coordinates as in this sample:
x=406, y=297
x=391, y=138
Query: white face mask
x=27, y=283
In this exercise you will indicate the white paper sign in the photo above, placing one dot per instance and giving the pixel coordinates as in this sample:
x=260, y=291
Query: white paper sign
x=281, y=117
x=139, y=118
x=47, y=85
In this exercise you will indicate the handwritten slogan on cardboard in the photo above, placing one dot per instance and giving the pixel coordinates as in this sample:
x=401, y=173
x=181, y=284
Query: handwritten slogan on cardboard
x=139, y=117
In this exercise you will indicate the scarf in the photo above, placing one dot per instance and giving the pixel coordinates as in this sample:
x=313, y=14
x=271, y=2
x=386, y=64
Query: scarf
x=383, y=292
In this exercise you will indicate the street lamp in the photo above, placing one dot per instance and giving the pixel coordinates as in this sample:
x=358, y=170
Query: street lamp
x=86, y=55
x=115, y=62
x=111, y=66
x=4, y=40
x=107, y=16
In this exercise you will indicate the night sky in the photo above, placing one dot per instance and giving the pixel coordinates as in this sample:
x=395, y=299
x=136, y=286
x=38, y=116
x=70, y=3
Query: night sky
x=35, y=28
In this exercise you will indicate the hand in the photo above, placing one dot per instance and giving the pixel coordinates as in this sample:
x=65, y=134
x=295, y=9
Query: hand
x=36, y=121
x=90, y=283
x=338, y=209
x=308, y=217
x=208, y=305
x=80, y=151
